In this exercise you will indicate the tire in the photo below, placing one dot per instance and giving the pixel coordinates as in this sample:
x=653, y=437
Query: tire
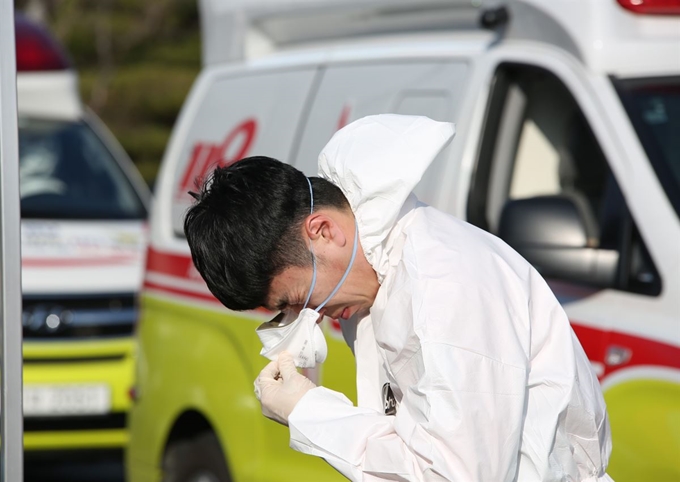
x=198, y=459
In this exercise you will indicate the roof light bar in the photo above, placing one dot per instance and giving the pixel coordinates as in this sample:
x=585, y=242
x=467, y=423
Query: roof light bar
x=652, y=7
x=36, y=49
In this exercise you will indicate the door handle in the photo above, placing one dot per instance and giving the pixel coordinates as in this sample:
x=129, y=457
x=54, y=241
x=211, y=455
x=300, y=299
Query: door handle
x=617, y=355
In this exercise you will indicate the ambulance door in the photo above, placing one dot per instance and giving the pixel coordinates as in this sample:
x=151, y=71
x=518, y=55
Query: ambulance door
x=544, y=184
x=350, y=91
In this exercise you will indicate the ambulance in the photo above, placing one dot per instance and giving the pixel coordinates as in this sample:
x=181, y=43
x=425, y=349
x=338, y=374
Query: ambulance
x=83, y=231
x=567, y=147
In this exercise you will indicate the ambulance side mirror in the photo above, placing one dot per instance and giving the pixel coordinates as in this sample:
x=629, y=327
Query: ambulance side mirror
x=557, y=234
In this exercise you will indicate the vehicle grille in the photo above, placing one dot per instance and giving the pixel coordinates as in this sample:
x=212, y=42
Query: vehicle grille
x=76, y=317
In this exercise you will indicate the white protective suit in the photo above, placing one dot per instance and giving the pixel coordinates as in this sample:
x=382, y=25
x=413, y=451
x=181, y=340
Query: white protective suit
x=490, y=381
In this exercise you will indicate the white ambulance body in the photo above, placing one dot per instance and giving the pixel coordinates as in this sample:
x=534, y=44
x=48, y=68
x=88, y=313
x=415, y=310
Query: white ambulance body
x=83, y=232
x=568, y=147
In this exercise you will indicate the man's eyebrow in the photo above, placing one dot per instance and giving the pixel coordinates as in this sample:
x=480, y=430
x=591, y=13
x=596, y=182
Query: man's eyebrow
x=281, y=304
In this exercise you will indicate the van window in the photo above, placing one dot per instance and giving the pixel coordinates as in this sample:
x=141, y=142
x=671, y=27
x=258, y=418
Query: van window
x=654, y=108
x=66, y=172
x=435, y=104
x=537, y=142
x=239, y=116
x=350, y=91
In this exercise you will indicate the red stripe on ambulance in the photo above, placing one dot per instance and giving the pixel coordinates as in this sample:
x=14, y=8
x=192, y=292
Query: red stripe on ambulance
x=179, y=267
x=181, y=292
x=616, y=350
x=80, y=262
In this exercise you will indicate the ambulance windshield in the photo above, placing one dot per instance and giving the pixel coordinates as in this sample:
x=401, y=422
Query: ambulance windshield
x=654, y=108
x=66, y=172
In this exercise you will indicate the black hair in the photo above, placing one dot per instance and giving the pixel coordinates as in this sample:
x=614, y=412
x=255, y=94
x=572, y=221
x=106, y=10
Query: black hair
x=245, y=227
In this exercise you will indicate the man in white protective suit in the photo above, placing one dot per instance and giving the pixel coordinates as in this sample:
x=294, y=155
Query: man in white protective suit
x=467, y=367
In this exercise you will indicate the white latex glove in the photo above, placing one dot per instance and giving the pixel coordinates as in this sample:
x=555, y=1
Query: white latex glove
x=279, y=387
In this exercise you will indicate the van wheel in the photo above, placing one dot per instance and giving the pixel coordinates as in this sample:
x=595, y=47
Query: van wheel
x=197, y=459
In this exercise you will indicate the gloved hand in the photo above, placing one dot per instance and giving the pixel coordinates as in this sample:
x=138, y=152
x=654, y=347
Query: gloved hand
x=279, y=387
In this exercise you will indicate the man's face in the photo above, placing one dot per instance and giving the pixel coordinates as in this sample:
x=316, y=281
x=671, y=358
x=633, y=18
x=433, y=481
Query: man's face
x=333, y=238
x=289, y=291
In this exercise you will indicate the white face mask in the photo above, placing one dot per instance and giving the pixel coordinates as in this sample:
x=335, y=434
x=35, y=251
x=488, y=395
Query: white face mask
x=298, y=334
x=301, y=335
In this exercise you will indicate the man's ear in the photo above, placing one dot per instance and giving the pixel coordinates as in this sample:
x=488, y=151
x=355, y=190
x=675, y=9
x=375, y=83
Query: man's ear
x=323, y=227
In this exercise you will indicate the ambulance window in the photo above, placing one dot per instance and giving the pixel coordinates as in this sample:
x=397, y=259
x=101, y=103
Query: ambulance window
x=350, y=91
x=538, y=144
x=66, y=172
x=435, y=104
x=654, y=108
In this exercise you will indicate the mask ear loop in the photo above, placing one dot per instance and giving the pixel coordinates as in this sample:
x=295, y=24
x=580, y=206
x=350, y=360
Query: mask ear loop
x=311, y=247
x=349, y=266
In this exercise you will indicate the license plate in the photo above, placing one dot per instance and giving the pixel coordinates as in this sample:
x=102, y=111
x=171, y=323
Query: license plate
x=56, y=400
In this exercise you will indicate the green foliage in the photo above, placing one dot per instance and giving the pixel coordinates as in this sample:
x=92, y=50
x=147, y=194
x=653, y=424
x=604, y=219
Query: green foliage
x=137, y=60
x=142, y=93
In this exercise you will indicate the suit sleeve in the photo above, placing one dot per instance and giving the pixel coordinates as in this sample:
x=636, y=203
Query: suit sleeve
x=460, y=420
